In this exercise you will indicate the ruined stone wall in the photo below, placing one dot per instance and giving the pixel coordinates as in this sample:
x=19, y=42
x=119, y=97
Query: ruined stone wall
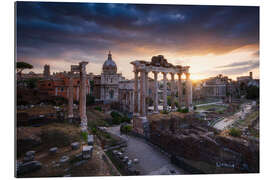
x=190, y=138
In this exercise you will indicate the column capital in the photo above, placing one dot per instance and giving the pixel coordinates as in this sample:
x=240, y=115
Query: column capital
x=136, y=71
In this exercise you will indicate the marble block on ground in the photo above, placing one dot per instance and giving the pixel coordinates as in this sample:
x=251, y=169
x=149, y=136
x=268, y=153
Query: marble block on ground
x=75, y=145
x=53, y=150
x=87, y=152
x=29, y=156
x=90, y=140
x=136, y=160
x=64, y=159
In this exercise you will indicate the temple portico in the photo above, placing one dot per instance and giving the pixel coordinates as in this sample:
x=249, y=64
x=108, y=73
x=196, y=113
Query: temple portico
x=158, y=65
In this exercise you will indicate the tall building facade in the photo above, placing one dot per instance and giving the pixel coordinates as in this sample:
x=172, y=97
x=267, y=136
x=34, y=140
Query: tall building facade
x=109, y=81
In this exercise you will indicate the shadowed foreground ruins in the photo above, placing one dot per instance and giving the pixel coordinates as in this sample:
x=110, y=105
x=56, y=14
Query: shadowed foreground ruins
x=190, y=142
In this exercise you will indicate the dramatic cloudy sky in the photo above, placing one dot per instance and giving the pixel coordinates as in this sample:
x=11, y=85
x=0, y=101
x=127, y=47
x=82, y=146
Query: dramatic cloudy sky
x=210, y=39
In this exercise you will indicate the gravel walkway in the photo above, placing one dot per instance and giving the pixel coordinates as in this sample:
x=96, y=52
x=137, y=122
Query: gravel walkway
x=151, y=160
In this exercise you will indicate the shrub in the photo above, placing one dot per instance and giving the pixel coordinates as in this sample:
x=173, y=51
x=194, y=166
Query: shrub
x=117, y=118
x=107, y=135
x=235, y=132
x=220, y=112
x=98, y=108
x=125, y=119
x=164, y=112
x=185, y=110
x=253, y=92
x=115, y=114
x=94, y=130
x=125, y=129
x=90, y=100
x=84, y=135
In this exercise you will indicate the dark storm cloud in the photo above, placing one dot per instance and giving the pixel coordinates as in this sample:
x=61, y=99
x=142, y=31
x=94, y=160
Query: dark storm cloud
x=238, y=67
x=51, y=30
x=241, y=64
x=241, y=69
x=233, y=68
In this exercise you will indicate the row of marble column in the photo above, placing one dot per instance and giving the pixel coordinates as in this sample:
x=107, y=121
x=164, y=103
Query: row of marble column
x=144, y=91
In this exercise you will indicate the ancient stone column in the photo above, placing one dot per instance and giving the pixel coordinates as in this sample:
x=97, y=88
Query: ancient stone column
x=164, y=91
x=70, y=96
x=172, y=91
x=180, y=90
x=156, y=92
x=130, y=102
x=83, y=95
x=77, y=93
x=188, y=91
x=146, y=92
x=136, y=92
x=142, y=94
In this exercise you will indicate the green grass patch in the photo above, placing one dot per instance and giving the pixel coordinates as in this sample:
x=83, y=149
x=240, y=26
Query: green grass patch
x=164, y=112
x=84, y=136
x=185, y=110
x=126, y=129
x=98, y=108
x=235, y=132
x=217, y=108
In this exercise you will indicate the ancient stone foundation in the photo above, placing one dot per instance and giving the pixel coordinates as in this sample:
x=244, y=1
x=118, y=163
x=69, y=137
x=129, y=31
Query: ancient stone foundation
x=183, y=135
x=141, y=126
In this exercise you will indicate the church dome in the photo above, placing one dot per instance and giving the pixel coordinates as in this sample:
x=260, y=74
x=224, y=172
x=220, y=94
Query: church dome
x=109, y=66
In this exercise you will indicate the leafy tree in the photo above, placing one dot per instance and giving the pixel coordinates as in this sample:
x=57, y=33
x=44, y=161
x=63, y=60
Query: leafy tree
x=20, y=66
x=32, y=83
x=90, y=99
x=253, y=92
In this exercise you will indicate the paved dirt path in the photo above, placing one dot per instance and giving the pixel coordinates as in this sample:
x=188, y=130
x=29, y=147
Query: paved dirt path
x=151, y=160
x=246, y=108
